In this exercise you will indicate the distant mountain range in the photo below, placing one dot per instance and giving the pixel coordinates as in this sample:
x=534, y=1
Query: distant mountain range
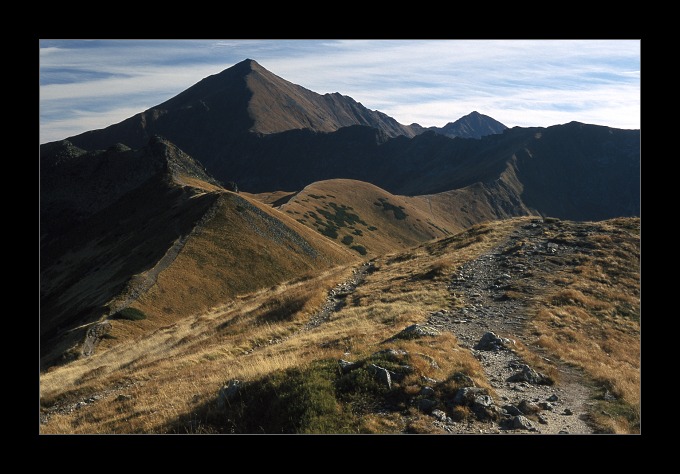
x=131, y=211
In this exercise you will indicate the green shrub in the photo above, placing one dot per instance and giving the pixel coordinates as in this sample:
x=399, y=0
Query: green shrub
x=291, y=401
x=130, y=314
x=359, y=248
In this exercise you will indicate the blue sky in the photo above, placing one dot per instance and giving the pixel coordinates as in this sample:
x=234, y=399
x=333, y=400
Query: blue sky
x=86, y=85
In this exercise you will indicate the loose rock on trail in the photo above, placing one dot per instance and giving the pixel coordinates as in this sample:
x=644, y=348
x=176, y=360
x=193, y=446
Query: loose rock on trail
x=491, y=323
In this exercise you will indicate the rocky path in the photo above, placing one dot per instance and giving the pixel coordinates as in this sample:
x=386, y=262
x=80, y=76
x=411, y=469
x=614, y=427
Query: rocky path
x=336, y=297
x=63, y=408
x=497, y=288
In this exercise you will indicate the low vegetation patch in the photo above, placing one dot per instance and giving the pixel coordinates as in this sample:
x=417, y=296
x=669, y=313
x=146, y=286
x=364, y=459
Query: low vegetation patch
x=129, y=314
x=398, y=211
x=360, y=249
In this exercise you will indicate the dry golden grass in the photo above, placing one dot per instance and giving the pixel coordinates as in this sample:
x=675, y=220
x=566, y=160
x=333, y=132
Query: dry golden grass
x=226, y=257
x=172, y=372
x=384, y=222
x=592, y=319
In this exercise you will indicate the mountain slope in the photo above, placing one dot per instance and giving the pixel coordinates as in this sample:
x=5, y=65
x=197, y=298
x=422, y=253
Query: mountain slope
x=212, y=117
x=473, y=125
x=365, y=218
x=252, y=127
x=164, y=224
x=372, y=221
x=572, y=171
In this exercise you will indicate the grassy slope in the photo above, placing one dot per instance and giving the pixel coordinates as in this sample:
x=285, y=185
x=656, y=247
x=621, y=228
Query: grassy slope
x=244, y=247
x=590, y=315
x=169, y=378
x=176, y=370
x=367, y=218
x=88, y=267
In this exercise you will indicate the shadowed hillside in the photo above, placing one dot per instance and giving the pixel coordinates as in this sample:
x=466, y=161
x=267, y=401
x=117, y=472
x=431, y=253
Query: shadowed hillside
x=254, y=128
x=116, y=223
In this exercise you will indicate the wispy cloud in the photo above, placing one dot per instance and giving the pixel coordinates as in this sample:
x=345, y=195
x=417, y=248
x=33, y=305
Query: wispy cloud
x=520, y=83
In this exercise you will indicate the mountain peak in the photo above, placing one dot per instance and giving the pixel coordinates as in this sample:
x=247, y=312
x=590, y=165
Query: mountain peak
x=472, y=125
x=247, y=64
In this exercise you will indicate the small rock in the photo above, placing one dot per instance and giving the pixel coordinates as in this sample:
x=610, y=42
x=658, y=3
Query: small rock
x=346, y=366
x=467, y=395
x=463, y=380
x=122, y=398
x=428, y=380
x=427, y=391
x=426, y=405
x=546, y=406
x=553, y=398
x=529, y=375
x=512, y=410
x=563, y=432
x=608, y=396
x=483, y=400
x=567, y=412
x=401, y=375
x=521, y=423
x=391, y=354
x=227, y=393
x=528, y=408
x=542, y=420
x=415, y=331
x=491, y=342
x=440, y=415
x=382, y=374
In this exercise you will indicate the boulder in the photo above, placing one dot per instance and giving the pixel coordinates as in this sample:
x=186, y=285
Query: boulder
x=227, y=393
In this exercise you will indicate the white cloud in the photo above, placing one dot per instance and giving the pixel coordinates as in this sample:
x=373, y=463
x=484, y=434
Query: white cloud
x=525, y=83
